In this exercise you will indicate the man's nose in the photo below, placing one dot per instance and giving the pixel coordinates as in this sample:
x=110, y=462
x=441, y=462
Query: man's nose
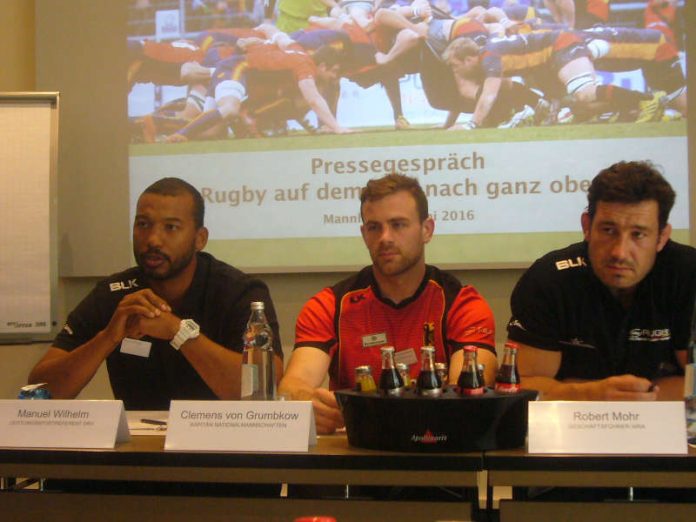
x=620, y=246
x=386, y=235
x=154, y=237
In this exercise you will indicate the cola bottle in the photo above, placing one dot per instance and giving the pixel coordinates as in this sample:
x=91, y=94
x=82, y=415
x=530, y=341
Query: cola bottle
x=508, y=379
x=390, y=382
x=429, y=383
x=469, y=380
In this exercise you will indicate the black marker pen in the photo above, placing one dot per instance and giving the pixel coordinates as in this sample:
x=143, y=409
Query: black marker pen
x=154, y=421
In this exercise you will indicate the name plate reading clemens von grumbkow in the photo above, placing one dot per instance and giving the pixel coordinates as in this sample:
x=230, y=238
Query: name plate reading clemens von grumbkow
x=274, y=426
x=62, y=424
x=607, y=427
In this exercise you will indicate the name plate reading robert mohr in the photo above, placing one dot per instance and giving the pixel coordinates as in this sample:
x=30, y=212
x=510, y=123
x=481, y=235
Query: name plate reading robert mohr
x=62, y=424
x=261, y=426
x=607, y=427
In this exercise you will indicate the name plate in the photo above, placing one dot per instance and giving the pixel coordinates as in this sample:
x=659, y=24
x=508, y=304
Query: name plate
x=62, y=424
x=256, y=426
x=607, y=427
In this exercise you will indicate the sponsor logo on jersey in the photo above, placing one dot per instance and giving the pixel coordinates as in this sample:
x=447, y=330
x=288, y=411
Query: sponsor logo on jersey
x=565, y=264
x=478, y=329
x=123, y=285
x=652, y=336
x=515, y=323
x=579, y=343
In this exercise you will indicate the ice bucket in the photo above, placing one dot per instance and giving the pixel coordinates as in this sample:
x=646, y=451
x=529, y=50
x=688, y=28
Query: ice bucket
x=450, y=422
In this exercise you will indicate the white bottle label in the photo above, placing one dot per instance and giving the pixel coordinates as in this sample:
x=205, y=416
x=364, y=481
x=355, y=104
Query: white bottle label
x=250, y=379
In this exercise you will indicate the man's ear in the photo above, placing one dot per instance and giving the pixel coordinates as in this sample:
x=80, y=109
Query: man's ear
x=201, y=238
x=586, y=223
x=428, y=229
x=664, y=236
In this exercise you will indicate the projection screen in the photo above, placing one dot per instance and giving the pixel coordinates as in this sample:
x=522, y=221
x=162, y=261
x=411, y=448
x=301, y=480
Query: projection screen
x=215, y=99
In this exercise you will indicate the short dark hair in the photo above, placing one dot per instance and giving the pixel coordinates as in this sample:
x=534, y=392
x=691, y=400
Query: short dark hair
x=176, y=187
x=632, y=182
x=328, y=56
x=379, y=188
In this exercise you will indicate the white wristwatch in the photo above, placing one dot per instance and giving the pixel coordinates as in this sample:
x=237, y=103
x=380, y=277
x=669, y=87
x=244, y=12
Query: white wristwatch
x=188, y=329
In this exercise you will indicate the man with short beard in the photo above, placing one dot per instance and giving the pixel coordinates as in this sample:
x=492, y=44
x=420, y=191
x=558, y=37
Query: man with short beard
x=610, y=318
x=170, y=328
x=392, y=302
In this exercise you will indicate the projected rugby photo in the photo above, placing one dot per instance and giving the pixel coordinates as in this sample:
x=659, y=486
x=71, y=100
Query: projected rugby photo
x=231, y=69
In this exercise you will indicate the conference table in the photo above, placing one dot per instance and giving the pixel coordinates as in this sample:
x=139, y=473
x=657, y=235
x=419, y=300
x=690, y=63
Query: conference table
x=531, y=475
x=130, y=483
x=144, y=464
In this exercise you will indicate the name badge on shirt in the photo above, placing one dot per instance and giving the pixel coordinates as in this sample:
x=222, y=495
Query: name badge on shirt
x=136, y=347
x=377, y=339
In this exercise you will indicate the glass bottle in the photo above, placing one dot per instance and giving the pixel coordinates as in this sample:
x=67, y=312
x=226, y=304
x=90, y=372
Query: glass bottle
x=443, y=373
x=403, y=370
x=258, y=375
x=469, y=379
x=428, y=334
x=390, y=382
x=364, y=382
x=508, y=379
x=481, y=374
x=429, y=383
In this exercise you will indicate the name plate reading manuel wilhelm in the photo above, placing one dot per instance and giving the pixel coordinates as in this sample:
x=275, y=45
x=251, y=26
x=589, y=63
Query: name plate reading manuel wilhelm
x=261, y=426
x=607, y=427
x=62, y=424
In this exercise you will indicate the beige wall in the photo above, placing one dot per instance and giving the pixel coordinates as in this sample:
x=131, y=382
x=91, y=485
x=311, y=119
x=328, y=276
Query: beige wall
x=17, y=46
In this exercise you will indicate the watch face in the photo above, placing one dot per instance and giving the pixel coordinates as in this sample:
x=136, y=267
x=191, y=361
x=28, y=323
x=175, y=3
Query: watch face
x=191, y=326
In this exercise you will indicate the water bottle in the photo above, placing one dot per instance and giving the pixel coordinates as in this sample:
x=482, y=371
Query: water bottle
x=258, y=376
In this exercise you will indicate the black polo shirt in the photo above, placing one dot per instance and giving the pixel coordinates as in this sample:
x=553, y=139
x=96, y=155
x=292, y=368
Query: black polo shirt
x=218, y=300
x=560, y=305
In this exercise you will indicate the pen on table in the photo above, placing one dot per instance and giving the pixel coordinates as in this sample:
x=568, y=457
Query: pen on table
x=154, y=421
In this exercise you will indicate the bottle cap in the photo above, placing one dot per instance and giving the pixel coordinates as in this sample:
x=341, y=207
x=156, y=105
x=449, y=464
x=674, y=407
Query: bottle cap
x=257, y=305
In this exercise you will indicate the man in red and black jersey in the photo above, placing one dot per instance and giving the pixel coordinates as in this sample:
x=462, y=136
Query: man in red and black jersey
x=387, y=303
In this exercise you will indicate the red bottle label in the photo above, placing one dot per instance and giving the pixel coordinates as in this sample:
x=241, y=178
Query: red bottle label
x=505, y=387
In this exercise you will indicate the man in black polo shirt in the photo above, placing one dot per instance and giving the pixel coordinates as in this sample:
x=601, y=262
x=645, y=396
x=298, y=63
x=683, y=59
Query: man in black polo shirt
x=609, y=318
x=170, y=328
